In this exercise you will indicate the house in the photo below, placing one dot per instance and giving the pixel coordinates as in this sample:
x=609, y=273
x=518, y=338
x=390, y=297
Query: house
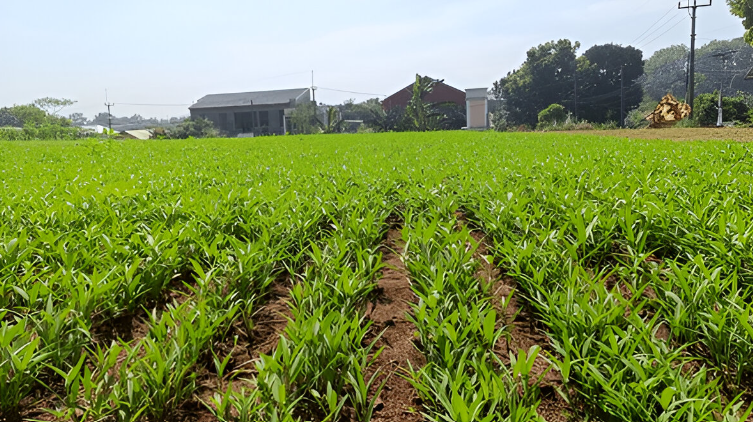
x=442, y=93
x=477, y=108
x=251, y=113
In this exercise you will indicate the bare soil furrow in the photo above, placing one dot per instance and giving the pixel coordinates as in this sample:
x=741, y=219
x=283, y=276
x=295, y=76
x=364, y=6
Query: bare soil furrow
x=398, y=400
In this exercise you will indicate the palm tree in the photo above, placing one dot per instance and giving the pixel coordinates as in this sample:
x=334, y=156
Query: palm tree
x=423, y=115
x=335, y=123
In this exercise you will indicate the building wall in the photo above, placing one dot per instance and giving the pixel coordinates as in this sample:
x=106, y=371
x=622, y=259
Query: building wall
x=253, y=123
x=477, y=113
x=442, y=93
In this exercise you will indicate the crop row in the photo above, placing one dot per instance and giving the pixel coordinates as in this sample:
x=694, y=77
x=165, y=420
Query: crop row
x=634, y=258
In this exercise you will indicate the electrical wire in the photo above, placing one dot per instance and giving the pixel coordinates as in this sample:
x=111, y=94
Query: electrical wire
x=652, y=25
x=663, y=33
x=350, y=92
x=151, y=105
x=652, y=33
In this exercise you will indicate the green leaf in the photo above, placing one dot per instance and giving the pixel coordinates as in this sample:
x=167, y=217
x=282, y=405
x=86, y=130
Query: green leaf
x=666, y=397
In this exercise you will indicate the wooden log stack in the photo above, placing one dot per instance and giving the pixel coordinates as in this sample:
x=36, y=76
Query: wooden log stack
x=668, y=113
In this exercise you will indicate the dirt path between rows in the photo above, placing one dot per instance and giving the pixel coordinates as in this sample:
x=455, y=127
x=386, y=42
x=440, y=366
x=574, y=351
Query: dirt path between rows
x=398, y=401
x=524, y=332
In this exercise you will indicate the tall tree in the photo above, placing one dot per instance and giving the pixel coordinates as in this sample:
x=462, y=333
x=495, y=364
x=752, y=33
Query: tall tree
x=744, y=9
x=334, y=123
x=421, y=114
x=601, y=78
x=666, y=70
x=545, y=78
x=78, y=119
x=53, y=105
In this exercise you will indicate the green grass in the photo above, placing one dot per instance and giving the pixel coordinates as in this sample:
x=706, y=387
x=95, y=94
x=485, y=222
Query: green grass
x=635, y=258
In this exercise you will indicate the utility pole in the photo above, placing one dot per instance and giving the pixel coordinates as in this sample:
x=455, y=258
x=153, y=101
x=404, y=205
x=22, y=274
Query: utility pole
x=313, y=87
x=576, y=95
x=109, y=115
x=724, y=57
x=691, y=76
x=622, y=96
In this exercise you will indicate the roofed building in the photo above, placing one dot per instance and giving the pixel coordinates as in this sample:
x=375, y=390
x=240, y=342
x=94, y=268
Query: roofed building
x=442, y=93
x=257, y=113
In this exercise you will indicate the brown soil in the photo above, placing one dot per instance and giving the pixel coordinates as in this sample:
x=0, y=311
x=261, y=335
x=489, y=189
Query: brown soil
x=127, y=327
x=270, y=321
x=676, y=134
x=525, y=330
x=398, y=401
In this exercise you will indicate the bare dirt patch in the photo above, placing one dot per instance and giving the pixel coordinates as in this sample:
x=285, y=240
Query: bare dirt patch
x=398, y=401
x=677, y=134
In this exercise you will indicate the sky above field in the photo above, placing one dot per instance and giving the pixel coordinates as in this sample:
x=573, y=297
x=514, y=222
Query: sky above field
x=165, y=54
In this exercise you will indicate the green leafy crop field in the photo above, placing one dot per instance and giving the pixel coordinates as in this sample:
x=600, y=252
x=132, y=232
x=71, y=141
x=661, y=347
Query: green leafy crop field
x=445, y=276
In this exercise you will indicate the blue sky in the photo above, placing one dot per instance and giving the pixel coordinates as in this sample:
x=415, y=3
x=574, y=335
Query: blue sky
x=176, y=51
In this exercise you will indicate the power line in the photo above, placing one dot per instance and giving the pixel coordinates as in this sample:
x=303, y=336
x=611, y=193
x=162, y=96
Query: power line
x=351, y=92
x=673, y=20
x=152, y=105
x=664, y=33
x=652, y=25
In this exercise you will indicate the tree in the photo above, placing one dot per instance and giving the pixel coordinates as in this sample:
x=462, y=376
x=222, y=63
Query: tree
x=28, y=114
x=666, y=72
x=194, y=128
x=53, y=105
x=334, y=123
x=78, y=119
x=8, y=119
x=600, y=78
x=546, y=77
x=744, y=9
x=706, y=108
x=351, y=110
x=303, y=118
x=392, y=120
x=420, y=113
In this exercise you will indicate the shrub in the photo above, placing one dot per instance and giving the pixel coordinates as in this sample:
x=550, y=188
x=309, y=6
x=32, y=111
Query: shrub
x=610, y=125
x=553, y=115
x=705, y=110
x=41, y=132
x=194, y=128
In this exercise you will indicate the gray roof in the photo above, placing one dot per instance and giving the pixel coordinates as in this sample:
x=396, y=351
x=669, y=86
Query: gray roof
x=750, y=74
x=283, y=96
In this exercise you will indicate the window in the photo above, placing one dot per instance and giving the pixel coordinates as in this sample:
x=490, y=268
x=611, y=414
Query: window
x=223, y=121
x=264, y=119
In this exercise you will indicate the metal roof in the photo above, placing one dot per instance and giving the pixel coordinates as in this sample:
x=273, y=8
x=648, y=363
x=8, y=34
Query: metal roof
x=139, y=134
x=283, y=96
x=749, y=75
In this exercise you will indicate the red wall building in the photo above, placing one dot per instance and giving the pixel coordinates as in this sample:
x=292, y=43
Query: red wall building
x=442, y=93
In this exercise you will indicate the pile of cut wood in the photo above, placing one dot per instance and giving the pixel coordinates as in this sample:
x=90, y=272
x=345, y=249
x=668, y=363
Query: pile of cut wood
x=668, y=112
